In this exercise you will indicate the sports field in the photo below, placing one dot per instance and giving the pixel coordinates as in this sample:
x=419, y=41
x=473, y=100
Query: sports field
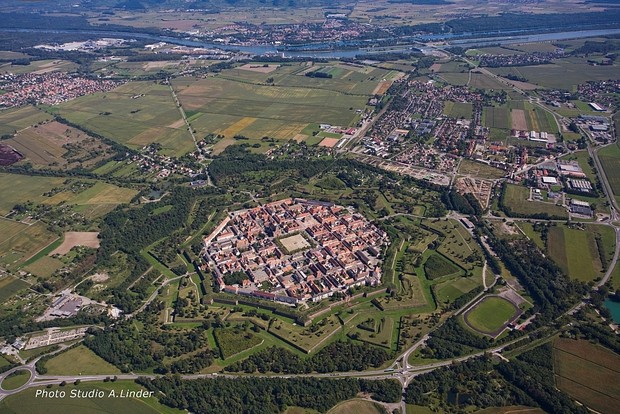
x=26, y=402
x=79, y=361
x=490, y=315
x=575, y=252
x=589, y=373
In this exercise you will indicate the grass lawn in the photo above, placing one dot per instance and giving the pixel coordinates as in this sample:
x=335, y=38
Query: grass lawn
x=79, y=361
x=437, y=266
x=357, y=407
x=480, y=170
x=26, y=402
x=587, y=372
x=308, y=338
x=575, y=252
x=15, y=380
x=490, y=314
x=447, y=292
x=529, y=231
x=232, y=341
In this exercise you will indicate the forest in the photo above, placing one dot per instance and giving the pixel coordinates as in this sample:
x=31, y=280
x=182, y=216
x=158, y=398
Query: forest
x=264, y=395
x=338, y=356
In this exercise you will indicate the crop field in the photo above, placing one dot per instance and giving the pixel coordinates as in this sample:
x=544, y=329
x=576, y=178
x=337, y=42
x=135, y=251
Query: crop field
x=48, y=144
x=79, y=361
x=231, y=341
x=18, y=248
x=103, y=193
x=588, y=372
x=458, y=109
x=13, y=120
x=41, y=66
x=26, y=401
x=482, y=81
x=496, y=117
x=308, y=338
x=575, y=252
x=516, y=197
x=134, y=114
x=232, y=105
x=44, y=266
x=610, y=158
x=490, y=315
x=10, y=285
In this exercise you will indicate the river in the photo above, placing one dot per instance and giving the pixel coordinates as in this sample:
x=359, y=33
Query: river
x=345, y=51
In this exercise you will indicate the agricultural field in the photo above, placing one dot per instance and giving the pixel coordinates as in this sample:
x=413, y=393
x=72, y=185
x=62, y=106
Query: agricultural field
x=575, y=251
x=490, y=315
x=9, y=286
x=58, y=146
x=496, y=117
x=458, y=109
x=482, y=81
x=610, y=159
x=79, y=361
x=134, y=114
x=580, y=364
x=41, y=66
x=31, y=189
x=516, y=198
x=563, y=74
x=26, y=401
x=15, y=250
x=14, y=120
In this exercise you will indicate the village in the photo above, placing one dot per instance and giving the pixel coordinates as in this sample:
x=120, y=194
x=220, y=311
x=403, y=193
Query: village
x=295, y=250
x=48, y=88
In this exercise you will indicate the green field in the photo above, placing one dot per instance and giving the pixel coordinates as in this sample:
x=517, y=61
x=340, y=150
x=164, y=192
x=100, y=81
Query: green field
x=30, y=189
x=589, y=373
x=26, y=402
x=378, y=331
x=575, y=252
x=15, y=250
x=450, y=290
x=610, y=159
x=12, y=120
x=306, y=339
x=231, y=341
x=480, y=170
x=490, y=314
x=564, y=74
x=10, y=285
x=437, y=266
x=15, y=380
x=516, y=198
x=496, y=117
x=79, y=361
x=134, y=114
x=357, y=407
x=458, y=109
